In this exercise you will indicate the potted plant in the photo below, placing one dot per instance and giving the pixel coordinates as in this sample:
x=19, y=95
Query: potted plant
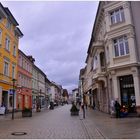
x=74, y=110
x=27, y=112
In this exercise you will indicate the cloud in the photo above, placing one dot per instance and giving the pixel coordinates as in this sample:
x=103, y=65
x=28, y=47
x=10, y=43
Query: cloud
x=57, y=34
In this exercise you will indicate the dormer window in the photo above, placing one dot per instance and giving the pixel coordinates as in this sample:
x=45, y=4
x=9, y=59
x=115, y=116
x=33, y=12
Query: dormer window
x=117, y=16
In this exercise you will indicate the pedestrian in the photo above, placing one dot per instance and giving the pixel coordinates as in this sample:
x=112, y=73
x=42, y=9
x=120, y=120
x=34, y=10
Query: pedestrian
x=112, y=108
x=117, y=109
x=83, y=108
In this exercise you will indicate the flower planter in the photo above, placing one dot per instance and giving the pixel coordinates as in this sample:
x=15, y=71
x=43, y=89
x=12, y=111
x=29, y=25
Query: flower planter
x=26, y=113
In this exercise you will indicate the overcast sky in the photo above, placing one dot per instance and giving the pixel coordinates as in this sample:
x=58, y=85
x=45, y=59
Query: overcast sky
x=57, y=35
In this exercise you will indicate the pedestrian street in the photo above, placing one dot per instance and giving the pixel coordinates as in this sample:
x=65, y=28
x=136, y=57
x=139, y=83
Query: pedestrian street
x=59, y=124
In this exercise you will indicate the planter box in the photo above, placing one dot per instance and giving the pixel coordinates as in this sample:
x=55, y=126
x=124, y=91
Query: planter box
x=75, y=113
x=26, y=113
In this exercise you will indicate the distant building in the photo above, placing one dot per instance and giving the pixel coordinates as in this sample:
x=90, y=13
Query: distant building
x=56, y=92
x=76, y=97
x=65, y=95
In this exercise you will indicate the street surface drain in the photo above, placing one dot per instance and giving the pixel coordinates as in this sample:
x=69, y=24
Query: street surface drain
x=18, y=133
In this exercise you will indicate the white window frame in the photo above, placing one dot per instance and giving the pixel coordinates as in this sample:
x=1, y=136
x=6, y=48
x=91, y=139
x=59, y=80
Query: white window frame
x=118, y=12
x=13, y=71
x=95, y=62
x=121, y=44
x=7, y=44
x=6, y=68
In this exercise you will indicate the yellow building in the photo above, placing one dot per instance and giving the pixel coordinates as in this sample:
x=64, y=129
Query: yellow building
x=9, y=38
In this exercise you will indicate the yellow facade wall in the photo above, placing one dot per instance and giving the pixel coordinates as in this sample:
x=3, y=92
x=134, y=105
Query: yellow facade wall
x=6, y=81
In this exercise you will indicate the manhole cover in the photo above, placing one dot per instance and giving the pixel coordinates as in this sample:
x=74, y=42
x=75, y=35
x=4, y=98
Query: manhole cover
x=19, y=133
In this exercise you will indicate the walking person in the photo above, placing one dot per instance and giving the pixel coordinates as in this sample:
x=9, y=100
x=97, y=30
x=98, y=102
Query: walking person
x=117, y=109
x=112, y=108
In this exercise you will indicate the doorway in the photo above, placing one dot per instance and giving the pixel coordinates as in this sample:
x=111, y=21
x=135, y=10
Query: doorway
x=128, y=93
x=5, y=98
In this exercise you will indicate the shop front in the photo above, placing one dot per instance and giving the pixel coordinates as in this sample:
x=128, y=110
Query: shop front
x=127, y=93
x=24, y=98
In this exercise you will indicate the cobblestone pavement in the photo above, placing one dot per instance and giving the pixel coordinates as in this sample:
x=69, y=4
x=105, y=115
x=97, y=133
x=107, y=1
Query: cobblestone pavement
x=56, y=124
x=112, y=128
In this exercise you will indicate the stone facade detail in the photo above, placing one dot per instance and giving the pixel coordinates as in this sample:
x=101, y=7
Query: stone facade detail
x=113, y=65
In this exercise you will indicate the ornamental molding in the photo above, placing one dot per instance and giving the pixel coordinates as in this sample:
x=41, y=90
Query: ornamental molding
x=106, y=13
x=131, y=34
x=113, y=72
x=126, y=5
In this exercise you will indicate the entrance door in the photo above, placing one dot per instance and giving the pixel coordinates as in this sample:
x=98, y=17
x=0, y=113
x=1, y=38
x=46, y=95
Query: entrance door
x=5, y=98
x=127, y=92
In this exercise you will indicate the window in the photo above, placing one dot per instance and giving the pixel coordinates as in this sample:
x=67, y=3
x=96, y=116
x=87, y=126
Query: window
x=6, y=68
x=121, y=46
x=7, y=44
x=95, y=61
x=8, y=24
x=117, y=16
x=1, y=19
x=13, y=71
x=0, y=37
x=102, y=59
x=14, y=50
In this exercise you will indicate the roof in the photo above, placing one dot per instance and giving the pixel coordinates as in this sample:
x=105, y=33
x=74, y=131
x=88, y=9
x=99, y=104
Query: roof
x=20, y=34
x=93, y=31
x=11, y=17
x=24, y=55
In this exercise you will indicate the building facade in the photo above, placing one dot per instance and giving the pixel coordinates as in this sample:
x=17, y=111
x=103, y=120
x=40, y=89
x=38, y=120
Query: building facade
x=112, y=65
x=75, y=93
x=9, y=38
x=35, y=86
x=56, y=92
x=48, y=91
x=24, y=81
x=42, y=88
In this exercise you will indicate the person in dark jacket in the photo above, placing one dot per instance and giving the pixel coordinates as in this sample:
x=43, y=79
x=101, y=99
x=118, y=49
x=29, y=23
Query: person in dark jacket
x=117, y=109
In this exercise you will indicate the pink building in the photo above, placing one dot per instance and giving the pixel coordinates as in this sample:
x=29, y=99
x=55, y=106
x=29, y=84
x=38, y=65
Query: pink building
x=24, y=89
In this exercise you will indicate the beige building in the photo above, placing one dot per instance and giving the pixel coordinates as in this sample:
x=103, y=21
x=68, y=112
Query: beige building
x=113, y=58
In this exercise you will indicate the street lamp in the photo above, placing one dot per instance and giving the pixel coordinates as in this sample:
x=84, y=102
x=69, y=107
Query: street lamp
x=13, y=80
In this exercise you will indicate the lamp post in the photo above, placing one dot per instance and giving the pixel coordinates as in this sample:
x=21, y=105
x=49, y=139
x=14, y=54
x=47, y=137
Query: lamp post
x=13, y=80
